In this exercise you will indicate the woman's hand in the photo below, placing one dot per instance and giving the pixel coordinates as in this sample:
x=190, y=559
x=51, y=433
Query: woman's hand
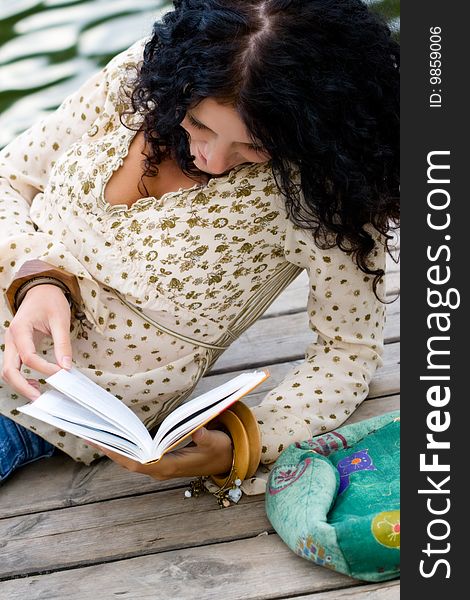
x=44, y=311
x=211, y=455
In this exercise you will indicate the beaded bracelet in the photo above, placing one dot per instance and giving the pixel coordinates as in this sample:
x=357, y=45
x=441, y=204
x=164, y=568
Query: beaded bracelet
x=229, y=483
x=229, y=492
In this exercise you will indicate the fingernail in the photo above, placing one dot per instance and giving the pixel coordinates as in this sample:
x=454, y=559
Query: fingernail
x=66, y=362
x=35, y=395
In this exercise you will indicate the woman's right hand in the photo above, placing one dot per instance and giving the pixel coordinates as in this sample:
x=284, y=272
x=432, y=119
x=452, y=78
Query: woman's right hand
x=44, y=311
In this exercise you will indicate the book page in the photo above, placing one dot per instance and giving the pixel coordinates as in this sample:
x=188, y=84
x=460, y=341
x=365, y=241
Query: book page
x=58, y=405
x=105, y=439
x=193, y=414
x=91, y=396
x=83, y=408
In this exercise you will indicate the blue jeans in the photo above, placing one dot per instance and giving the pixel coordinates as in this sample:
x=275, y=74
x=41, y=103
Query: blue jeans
x=19, y=446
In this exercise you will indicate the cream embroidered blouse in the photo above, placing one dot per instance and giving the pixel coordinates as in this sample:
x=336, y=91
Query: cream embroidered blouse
x=203, y=263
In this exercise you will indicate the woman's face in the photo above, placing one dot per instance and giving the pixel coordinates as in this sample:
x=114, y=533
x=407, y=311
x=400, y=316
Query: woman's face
x=219, y=140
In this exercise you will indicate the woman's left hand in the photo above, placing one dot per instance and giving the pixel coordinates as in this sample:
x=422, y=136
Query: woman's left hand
x=211, y=455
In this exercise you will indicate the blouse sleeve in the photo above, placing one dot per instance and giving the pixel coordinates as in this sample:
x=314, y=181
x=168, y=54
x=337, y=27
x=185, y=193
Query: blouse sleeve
x=25, y=166
x=333, y=380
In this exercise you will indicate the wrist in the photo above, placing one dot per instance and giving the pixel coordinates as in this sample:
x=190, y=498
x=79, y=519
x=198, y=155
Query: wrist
x=240, y=424
x=35, y=282
x=37, y=268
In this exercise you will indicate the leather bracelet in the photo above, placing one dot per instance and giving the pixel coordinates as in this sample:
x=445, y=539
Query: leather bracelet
x=35, y=281
x=39, y=268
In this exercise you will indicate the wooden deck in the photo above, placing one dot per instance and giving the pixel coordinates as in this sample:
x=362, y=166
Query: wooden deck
x=74, y=532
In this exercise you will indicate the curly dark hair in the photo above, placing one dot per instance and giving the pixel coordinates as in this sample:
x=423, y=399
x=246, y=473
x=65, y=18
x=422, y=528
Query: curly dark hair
x=316, y=82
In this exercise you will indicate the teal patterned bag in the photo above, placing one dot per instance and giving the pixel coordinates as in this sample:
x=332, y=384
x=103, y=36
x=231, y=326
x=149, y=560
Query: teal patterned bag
x=335, y=498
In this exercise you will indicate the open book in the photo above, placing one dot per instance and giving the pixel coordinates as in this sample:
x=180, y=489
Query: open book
x=80, y=406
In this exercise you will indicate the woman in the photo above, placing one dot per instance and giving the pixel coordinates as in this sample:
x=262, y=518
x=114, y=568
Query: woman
x=194, y=178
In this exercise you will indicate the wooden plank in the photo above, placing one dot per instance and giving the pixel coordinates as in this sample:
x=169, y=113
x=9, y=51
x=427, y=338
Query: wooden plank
x=68, y=483
x=132, y=526
x=389, y=590
x=152, y=521
x=395, y=241
x=123, y=528
x=59, y=482
x=260, y=568
x=392, y=284
x=372, y=408
x=386, y=380
x=283, y=338
x=294, y=297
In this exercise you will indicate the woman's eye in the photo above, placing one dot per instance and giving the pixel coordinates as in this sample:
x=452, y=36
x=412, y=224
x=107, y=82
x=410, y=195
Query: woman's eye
x=198, y=125
x=195, y=123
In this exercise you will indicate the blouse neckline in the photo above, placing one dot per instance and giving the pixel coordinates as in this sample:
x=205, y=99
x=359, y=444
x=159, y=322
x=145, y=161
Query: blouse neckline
x=123, y=147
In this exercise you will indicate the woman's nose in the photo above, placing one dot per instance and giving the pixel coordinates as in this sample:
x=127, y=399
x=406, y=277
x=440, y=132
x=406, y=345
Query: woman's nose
x=218, y=158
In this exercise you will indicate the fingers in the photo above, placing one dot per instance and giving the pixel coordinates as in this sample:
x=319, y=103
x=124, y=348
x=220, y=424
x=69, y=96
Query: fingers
x=188, y=462
x=43, y=312
x=11, y=371
x=23, y=339
x=62, y=344
x=211, y=455
x=201, y=437
x=34, y=383
x=128, y=463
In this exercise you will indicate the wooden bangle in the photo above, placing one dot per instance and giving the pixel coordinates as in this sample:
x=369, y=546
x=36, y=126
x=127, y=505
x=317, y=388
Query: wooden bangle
x=241, y=450
x=248, y=419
